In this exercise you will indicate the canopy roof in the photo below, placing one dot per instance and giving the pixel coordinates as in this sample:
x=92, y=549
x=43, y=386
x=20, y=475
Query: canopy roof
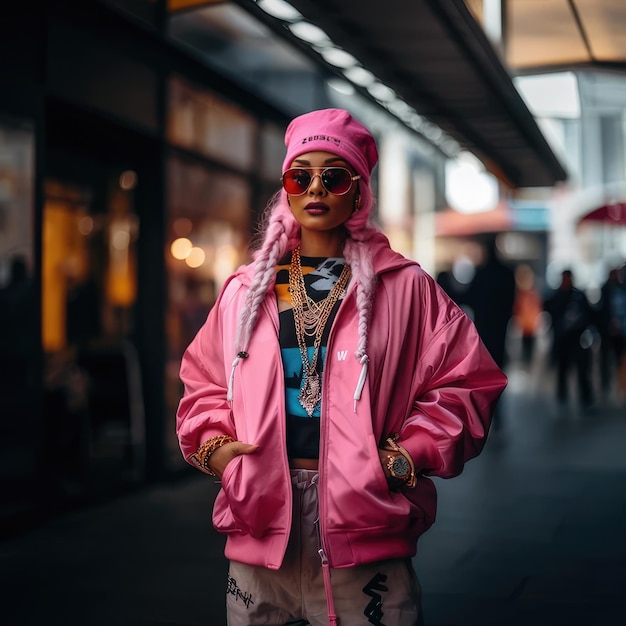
x=563, y=34
x=436, y=57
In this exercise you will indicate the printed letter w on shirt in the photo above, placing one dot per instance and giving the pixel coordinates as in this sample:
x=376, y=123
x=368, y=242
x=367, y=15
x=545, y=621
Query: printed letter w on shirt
x=341, y=355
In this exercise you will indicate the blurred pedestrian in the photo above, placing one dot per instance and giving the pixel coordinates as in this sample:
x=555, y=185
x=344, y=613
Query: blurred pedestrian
x=332, y=379
x=490, y=297
x=527, y=309
x=611, y=327
x=571, y=316
x=490, y=300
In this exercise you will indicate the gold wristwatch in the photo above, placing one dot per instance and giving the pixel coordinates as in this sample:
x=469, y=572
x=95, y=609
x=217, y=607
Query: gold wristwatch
x=401, y=466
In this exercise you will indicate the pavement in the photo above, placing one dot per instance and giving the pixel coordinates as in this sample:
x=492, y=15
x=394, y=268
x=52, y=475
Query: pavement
x=532, y=533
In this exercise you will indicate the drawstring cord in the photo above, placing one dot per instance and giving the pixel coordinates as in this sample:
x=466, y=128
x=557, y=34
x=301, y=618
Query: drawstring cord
x=364, y=360
x=231, y=379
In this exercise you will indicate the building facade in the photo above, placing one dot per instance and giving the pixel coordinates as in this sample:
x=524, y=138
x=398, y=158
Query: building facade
x=133, y=171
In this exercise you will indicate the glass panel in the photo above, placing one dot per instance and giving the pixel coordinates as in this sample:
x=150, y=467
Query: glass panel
x=19, y=339
x=16, y=198
x=89, y=265
x=207, y=238
x=272, y=153
x=66, y=271
x=201, y=122
x=88, y=296
x=612, y=148
x=233, y=42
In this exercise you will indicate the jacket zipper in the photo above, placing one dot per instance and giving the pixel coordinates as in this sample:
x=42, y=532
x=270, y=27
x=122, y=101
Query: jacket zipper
x=321, y=488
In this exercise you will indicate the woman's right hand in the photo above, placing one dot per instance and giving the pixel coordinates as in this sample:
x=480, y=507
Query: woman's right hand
x=226, y=453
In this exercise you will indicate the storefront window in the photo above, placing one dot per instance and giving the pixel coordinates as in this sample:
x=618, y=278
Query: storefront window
x=93, y=399
x=235, y=43
x=16, y=198
x=19, y=344
x=201, y=122
x=89, y=266
x=207, y=239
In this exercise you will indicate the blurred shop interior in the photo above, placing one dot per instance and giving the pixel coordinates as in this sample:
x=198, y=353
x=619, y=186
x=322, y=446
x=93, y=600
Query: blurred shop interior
x=141, y=139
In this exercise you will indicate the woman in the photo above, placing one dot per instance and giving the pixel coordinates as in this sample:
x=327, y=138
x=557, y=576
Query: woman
x=330, y=379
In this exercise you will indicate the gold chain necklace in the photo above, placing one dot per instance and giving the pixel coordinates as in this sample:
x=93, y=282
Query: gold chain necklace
x=310, y=319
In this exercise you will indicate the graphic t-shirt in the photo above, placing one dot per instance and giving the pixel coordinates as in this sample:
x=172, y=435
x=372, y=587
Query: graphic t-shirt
x=320, y=275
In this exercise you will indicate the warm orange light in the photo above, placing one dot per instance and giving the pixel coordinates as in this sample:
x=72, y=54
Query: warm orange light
x=181, y=248
x=121, y=271
x=195, y=258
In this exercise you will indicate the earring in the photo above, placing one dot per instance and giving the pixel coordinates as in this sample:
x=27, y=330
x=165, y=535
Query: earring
x=357, y=203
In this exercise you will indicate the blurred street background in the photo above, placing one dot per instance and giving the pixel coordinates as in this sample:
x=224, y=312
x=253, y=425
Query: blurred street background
x=140, y=141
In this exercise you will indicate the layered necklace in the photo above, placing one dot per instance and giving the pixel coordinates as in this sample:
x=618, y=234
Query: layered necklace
x=310, y=319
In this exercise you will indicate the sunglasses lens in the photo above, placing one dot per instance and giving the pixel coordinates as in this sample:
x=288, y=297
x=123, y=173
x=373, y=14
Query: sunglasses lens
x=337, y=180
x=296, y=181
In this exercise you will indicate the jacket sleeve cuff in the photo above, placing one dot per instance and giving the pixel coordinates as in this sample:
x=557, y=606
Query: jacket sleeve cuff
x=424, y=452
x=191, y=438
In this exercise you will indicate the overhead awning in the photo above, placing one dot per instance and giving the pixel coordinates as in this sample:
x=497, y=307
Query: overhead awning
x=438, y=60
x=553, y=35
x=451, y=223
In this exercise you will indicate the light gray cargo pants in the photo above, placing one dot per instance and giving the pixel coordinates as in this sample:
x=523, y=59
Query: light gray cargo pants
x=385, y=593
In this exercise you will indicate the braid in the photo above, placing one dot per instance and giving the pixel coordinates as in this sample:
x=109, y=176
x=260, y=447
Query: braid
x=280, y=236
x=357, y=255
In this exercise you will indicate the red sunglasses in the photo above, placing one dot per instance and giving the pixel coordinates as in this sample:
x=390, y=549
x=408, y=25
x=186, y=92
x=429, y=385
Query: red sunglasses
x=336, y=180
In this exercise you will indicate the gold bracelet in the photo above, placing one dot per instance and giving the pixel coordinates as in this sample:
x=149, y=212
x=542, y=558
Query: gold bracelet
x=202, y=455
x=411, y=480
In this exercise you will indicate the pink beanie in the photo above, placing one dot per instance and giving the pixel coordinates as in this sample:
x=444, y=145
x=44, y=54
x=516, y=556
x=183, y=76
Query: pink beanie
x=336, y=131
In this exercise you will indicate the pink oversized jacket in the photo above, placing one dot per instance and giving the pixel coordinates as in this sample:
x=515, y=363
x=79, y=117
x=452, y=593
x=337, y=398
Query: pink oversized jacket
x=430, y=379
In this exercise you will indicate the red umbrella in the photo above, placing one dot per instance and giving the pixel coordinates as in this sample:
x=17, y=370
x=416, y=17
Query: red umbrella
x=614, y=213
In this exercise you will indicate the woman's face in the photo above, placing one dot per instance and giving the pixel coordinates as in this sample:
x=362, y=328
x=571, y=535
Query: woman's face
x=317, y=209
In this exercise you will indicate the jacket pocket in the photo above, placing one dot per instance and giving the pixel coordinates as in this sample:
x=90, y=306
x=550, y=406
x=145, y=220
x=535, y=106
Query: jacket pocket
x=251, y=501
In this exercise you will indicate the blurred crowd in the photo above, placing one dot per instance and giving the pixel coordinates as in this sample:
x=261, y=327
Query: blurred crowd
x=587, y=340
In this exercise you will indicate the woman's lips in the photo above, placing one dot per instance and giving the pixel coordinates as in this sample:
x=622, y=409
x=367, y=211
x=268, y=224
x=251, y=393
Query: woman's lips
x=316, y=208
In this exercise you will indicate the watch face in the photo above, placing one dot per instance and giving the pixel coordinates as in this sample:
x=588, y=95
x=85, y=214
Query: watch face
x=400, y=467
